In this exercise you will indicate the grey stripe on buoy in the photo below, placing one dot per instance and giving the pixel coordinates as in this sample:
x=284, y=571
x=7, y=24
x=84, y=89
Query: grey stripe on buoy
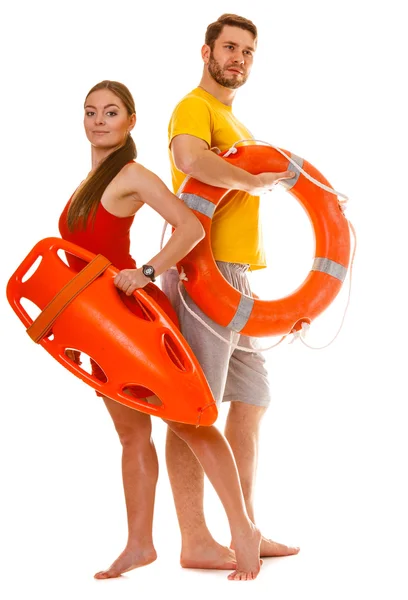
x=325, y=265
x=243, y=313
x=290, y=183
x=201, y=205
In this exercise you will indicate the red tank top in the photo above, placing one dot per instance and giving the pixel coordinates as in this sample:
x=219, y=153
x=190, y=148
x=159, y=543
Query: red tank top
x=110, y=236
x=107, y=235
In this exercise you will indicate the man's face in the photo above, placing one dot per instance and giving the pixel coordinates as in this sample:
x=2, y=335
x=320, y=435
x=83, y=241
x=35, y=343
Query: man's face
x=231, y=59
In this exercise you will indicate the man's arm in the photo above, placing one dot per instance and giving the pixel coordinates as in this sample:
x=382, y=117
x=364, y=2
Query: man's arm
x=193, y=157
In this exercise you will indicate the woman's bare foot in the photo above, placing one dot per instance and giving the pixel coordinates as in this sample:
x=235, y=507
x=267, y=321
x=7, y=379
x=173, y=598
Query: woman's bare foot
x=271, y=548
x=131, y=558
x=247, y=546
x=207, y=554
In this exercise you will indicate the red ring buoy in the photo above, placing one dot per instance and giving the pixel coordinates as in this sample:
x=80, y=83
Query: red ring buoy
x=251, y=316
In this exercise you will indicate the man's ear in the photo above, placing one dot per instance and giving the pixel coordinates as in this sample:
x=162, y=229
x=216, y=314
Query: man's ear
x=205, y=53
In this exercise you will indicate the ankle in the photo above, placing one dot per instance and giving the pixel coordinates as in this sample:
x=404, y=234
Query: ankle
x=139, y=543
x=198, y=537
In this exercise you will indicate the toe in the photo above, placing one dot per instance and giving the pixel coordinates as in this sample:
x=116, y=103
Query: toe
x=101, y=575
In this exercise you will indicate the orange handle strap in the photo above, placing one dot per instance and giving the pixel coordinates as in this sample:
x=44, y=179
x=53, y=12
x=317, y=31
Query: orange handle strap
x=45, y=320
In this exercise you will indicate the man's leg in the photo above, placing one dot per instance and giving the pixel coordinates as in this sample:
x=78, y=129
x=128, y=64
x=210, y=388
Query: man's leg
x=215, y=456
x=242, y=431
x=198, y=548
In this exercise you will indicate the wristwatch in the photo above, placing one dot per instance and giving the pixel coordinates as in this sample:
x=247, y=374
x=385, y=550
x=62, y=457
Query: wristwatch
x=148, y=271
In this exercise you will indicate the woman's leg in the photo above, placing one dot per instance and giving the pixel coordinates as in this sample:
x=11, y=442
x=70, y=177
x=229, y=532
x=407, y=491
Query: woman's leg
x=214, y=454
x=140, y=473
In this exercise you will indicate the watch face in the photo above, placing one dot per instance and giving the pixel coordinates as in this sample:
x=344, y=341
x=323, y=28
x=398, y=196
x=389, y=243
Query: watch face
x=148, y=271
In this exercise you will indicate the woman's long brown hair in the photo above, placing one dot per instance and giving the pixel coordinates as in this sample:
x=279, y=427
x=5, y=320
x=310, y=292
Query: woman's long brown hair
x=86, y=200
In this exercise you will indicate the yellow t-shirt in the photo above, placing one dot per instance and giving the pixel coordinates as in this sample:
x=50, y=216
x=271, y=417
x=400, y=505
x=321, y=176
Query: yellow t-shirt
x=236, y=234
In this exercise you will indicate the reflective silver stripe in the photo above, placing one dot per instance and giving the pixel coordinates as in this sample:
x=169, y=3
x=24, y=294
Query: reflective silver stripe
x=243, y=313
x=201, y=205
x=290, y=183
x=329, y=266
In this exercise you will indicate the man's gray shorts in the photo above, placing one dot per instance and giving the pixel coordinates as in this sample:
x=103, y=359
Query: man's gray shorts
x=233, y=375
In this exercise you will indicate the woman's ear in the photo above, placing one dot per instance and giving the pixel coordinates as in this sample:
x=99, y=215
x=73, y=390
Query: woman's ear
x=132, y=122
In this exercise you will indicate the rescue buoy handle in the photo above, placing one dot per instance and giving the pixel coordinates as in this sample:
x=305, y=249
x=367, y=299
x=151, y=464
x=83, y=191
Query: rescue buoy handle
x=45, y=320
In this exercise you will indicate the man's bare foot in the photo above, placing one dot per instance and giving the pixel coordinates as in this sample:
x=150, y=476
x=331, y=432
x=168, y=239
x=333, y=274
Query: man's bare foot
x=207, y=554
x=131, y=558
x=247, y=547
x=270, y=548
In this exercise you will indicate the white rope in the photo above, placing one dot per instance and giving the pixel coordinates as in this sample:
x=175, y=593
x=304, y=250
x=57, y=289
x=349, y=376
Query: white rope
x=233, y=150
x=163, y=234
x=301, y=335
x=179, y=192
x=183, y=277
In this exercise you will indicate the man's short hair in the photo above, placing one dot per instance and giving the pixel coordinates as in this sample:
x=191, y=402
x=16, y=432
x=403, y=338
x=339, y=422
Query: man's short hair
x=214, y=29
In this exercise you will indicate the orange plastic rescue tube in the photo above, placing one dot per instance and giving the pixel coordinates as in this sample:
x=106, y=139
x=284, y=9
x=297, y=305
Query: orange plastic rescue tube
x=252, y=316
x=132, y=351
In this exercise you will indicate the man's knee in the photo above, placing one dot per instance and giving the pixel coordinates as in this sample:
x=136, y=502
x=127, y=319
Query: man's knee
x=243, y=412
x=180, y=430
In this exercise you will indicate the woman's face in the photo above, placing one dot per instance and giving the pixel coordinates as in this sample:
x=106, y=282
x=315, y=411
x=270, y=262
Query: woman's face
x=106, y=120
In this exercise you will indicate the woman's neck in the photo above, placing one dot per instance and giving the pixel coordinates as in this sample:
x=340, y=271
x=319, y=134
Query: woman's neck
x=98, y=155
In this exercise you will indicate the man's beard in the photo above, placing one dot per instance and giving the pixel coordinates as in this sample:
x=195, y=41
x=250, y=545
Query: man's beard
x=217, y=73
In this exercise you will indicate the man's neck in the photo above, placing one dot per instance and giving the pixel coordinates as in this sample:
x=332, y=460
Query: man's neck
x=223, y=94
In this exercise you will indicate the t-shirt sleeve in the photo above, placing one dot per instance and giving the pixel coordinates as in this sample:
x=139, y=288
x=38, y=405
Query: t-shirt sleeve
x=191, y=116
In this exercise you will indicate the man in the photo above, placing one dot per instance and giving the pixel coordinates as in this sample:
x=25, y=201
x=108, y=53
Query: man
x=201, y=121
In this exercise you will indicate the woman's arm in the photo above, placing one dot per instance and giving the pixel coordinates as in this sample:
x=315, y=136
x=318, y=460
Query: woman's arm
x=188, y=231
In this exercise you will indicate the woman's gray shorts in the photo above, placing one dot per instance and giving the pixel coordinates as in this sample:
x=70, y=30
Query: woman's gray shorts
x=233, y=375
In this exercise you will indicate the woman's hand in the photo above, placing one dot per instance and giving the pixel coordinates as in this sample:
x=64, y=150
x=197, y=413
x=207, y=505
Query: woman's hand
x=129, y=280
x=74, y=355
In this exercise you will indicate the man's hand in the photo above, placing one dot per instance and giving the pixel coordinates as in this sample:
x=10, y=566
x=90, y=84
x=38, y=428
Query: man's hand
x=129, y=280
x=266, y=181
x=193, y=157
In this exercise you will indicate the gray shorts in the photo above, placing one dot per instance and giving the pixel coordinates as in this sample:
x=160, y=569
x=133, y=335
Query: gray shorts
x=233, y=375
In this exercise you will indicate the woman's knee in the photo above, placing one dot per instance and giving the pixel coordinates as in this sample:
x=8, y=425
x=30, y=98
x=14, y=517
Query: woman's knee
x=132, y=426
x=134, y=433
x=133, y=436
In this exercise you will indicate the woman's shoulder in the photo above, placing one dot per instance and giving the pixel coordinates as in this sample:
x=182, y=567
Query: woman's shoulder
x=132, y=179
x=132, y=169
x=133, y=173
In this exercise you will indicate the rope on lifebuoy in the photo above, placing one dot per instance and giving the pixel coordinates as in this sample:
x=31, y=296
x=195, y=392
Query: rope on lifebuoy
x=233, y=150
x=201, y=410
x=301, y=334
x=179, y=191
x=182, y=277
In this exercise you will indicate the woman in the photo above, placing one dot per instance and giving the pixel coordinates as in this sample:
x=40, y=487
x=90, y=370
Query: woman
x=98, y=217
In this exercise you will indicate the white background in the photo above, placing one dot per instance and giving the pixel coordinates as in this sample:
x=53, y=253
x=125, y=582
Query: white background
x=327, y=84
